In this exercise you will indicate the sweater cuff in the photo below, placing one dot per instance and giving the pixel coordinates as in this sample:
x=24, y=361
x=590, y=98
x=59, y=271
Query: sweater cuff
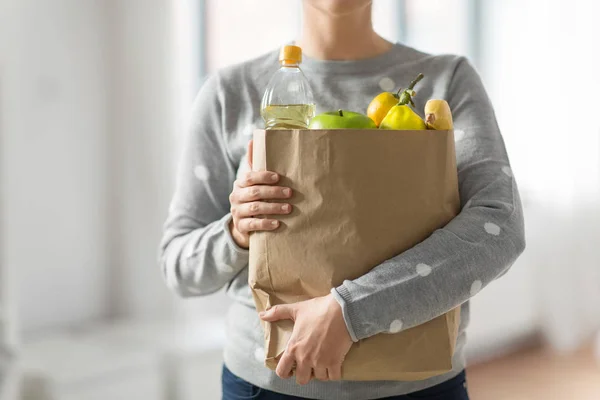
x=232, y=244
x=342, y=296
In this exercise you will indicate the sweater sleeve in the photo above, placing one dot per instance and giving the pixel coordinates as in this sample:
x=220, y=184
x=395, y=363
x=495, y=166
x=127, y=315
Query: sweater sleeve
x=198, y=256
x=457, y=261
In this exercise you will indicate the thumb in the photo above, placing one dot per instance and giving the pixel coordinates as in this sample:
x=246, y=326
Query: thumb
x=281, y=311
x=250, y=150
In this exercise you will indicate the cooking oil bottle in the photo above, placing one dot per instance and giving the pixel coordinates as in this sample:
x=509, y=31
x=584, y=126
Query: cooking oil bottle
x=288, y=100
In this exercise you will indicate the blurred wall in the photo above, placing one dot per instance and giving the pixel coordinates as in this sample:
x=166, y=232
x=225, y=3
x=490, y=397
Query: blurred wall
x=54, y=154
x=540, y=64
x=143, y=119
x=86, y=158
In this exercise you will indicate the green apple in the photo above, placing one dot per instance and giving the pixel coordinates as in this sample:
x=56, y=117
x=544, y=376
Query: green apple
x=341, y=119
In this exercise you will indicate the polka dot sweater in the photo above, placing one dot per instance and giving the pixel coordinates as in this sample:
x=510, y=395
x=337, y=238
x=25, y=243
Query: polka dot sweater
x=198, y=255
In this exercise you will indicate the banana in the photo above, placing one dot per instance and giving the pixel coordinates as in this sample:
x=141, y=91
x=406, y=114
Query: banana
x=438, y=115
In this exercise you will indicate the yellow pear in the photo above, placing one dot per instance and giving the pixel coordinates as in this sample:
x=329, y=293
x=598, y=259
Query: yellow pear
x=401, y=116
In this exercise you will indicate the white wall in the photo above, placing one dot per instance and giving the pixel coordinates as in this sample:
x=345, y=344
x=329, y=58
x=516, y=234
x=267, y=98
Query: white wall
x=53, y=160
x=143, y=114
x=8, y=337
x=543, y=82
x=88, y=116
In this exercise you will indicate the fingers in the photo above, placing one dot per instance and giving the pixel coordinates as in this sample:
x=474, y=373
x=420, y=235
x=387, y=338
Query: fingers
x=303, y=373
x=260, y=192
x=321, y=373
x=281, y=311
x=335, y=372
x=285, y=365
x=257, y=178
x=255, y=208
x=246, y=204
x=247, y=225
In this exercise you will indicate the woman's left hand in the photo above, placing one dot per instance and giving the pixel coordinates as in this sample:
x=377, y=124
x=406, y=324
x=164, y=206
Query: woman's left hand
x=319, y=341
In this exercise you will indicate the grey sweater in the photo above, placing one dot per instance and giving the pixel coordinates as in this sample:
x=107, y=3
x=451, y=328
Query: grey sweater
x=199, y=257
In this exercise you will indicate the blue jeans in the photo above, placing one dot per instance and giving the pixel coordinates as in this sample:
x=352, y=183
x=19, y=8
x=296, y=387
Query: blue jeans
x=235, y=388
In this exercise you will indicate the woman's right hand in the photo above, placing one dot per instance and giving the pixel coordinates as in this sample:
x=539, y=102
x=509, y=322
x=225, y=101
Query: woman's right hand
x=250, y=209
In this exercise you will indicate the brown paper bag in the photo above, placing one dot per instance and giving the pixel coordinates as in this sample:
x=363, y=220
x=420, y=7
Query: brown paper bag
x=360, y=198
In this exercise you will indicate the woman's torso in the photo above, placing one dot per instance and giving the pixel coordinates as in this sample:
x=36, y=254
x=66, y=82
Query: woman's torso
x=347, y=85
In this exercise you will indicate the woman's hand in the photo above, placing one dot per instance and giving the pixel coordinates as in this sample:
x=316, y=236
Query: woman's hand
x=249, y=208
x=319, y=341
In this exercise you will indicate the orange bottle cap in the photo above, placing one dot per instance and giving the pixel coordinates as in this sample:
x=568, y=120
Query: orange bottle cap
x=290, y=55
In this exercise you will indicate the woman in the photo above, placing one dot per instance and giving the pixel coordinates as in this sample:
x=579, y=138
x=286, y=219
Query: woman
x=206, y=235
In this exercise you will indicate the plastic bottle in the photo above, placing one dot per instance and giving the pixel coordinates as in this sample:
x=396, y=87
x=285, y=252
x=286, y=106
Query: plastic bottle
x=288, y=100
